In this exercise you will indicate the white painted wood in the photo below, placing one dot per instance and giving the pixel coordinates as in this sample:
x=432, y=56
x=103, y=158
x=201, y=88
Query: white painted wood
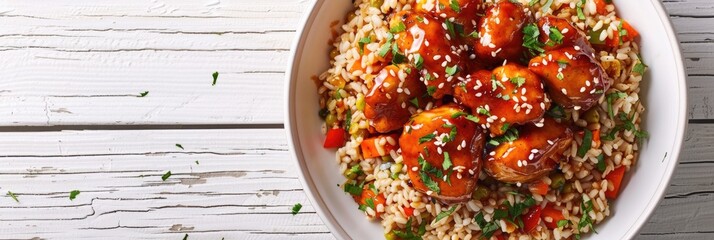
x=79, y=63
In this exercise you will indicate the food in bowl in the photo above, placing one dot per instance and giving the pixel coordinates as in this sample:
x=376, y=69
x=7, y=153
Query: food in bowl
x=482, y=119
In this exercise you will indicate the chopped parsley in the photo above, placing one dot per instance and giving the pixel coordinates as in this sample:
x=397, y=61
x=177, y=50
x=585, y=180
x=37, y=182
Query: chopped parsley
x=409, y=233
x=562, y=223
x=427, y=138
x=296, y=209
x=610, y=98
x=166, y=176
x=415, y=102
x=579, y=7
x=363, y=41
x=427, y=169
x=639, y=68
x=452, y=70
x=473, y=118
x=454, y=4
x=13, y=196
x=356, y=170
x=73, y=194
x=530, y=39
x=555, y=35
x=447, y=161
x=483, y=111
x=143, y=94
x=509, y=136
x=556, y=112
x=430, y=89
x=353, y=189
x=430, y=183
x=585, y=220
x=487, y=228
x=418, y=61
x=587, y=143
x=385, y=49
x=601, y=163
x=444, y=214
x=458, y=114
x=518, y=80
x=348, y=120
x=215, y=78
x=400, y=27
x=179, y=146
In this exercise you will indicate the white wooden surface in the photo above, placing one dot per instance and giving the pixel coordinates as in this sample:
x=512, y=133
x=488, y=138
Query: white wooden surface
x=70, y=72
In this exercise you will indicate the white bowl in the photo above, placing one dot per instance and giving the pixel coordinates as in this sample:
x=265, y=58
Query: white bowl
x=663, y=93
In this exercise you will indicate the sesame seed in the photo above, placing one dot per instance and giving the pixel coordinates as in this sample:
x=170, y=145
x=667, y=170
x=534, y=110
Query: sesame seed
x=414, y=169
x=582, y=89
x=448, y=58
x=564, y=91
x=437, y=57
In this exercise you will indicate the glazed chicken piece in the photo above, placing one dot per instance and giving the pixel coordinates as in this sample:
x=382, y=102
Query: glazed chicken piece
x=501, y=33
x=463, y=12
x=533, y=155
x=395, y=95
x=558, y=32
x=442, y=150
x=430, y=49
x=573, y=77
x=507, y=96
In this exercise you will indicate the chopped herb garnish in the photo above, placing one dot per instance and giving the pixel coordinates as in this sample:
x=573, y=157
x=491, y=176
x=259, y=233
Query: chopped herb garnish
x=533, y=2
x=370, y=203
x=530, y=39
x=385, y=49
x=455, y=6
x=473, y=118
x=373, y=188
x=296, y=208
x=556, y=112
x=166, y=176
x=418, y=61
x=430, y=183
x=400, y=27
x=487, y=228
x=601, y=163
x=452, y=70
x=398, y=58
x=447, y=161
x=483, y=111
x=555, y=35
x=420, y=19
x=518, y=80
x=562, y=223
x=13, y=196
x=363, y=41
x=458, y=114
x=562, y=63
x=215, y=78
x=427, y=138
x=73, y=194
x=430, y=89
x=581, y=15
x=610, y=99
x=587, y=143
x=356, y=170
x=179, y=146
x=444, y=214
x=415, y=102
x=409, y=233
x=585, y=220
x=639, y=68
x=353, y=189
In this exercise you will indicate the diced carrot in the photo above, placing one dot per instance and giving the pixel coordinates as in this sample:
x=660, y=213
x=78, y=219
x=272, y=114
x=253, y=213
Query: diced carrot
x=538, y=187
x=614, y=41
x=531, y=219
x=596, y=137
x=600, y=7
x=369, y=146
x=376, y=199
x=409, y=211
x=551, y=216
x=614, y=178
x=631, y=32
x=335, y=138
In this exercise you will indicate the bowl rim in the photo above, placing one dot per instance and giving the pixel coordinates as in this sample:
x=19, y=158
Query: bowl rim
x=329, y=219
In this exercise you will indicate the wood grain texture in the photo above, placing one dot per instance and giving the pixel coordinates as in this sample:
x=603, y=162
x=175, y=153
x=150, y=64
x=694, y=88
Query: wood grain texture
x=76, y=64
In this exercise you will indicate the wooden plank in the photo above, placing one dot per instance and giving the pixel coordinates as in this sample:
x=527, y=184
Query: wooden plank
x=75, y=63
x=242, y=187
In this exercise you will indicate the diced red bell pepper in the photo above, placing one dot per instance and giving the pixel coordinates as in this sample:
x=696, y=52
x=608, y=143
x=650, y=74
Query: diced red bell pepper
x=376, y=198
x=335, y=138
x=369, y=146
x=531, y=219
x=409, y=211
x=553, y=214
x=614, y=178
x=600, y=7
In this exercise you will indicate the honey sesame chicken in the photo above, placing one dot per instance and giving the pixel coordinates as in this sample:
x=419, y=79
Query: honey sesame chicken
x=396, y=94
x=500, y=33
x=507, y=96
x=534, y=154
x=558, y=32
x=572, y=76
x=463, y=12
x=442, y=150
x=430, y=47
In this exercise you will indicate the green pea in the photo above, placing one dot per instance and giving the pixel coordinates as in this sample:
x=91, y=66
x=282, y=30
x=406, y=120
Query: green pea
x=390, y=236
x=330, y=120
x=376, y=3
x=567, y=188
x=480, y=192
x=360, y=102
x=592, y=116
x=557, y=180
x=396, y=170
